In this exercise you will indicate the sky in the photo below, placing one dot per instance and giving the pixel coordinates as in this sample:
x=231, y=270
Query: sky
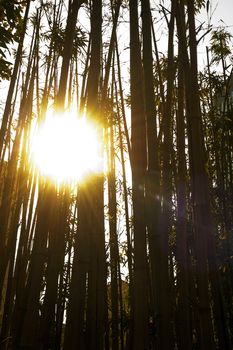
x=224, y=12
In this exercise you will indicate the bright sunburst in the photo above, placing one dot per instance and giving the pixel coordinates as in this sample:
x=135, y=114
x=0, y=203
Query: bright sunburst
x=66, y=148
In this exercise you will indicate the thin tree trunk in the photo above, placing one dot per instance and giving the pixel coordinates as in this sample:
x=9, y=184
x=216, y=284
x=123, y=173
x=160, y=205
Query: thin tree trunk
x=56, y=252
x=153, y=171
x=200, y=197
x=113, y=242
x=138, y=142
x=183, y=307
x=28, y=327
x=7, y=109
x=97, y=271
x=68, y=47
x=165, y=325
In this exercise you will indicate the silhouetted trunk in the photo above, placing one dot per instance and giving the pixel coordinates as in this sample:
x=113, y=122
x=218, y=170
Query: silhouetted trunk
x=56, y=251
x=183, y=305
x=97, y=271
x=9, y=191
x=86, y=310
x=74, y=6
x=138, y=142
x=76, y=313
x=122, y=102
x=18, y=58
x=204, y=228
x=165, y=324
x=28, y=326
x=199, y=181
x=113, y=241
x=153, y=171
x=127, y=222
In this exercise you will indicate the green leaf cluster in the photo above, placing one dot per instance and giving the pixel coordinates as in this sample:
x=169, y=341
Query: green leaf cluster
x=10, y=24
x=220, y=44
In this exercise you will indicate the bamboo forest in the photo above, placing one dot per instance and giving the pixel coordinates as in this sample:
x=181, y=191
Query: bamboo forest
x=116, y=175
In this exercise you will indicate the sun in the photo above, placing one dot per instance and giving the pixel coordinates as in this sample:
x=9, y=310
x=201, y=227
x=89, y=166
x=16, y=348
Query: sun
x=65, y=148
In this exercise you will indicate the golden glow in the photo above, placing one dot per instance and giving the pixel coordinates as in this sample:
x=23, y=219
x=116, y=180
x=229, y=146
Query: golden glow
x=66, y=148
